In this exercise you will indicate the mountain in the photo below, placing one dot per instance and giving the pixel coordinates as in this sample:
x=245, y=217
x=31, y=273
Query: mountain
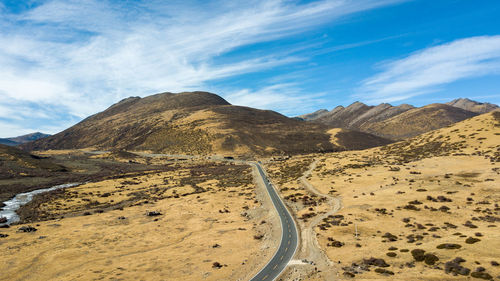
x=197, y=123
x=315, y=115
x=417, y=121
x=476, y=136
x=473, y=106
x=23, y=139
x=8, y=142
x=15, y=162
x=399, y=122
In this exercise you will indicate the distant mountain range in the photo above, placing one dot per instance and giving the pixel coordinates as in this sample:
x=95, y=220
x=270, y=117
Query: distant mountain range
x=22, y=139
x=398, y=122
x=201, y=123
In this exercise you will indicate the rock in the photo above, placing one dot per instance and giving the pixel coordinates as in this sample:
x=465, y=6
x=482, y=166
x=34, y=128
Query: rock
x=28, y=228
x=494, y=263
x=390, y=237
x=391, y=254
x=349, y=274
x=418, y=254
x=3, y=220
x=430, y=259
x=480, y=269
x=384, y=271
x=153, y=214
x=375, y=262
x=3, y=235
x=472, y=240
x=481, y=275
x=216, y=265
x=449, y=246
x=455, y=268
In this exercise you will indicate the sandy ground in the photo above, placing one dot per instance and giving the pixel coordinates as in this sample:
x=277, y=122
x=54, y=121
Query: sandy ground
x=210, y=235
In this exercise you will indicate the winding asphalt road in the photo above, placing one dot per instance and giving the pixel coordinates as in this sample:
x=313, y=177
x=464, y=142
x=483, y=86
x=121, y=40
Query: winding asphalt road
x=289, y=236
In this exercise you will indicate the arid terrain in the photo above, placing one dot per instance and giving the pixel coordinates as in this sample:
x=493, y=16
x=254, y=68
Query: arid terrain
x=424, y=208
x=168, y=189
x=189, y=221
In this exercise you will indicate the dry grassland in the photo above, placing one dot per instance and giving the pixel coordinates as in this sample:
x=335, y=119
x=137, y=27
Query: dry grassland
x=200, y=221
x=425, y=208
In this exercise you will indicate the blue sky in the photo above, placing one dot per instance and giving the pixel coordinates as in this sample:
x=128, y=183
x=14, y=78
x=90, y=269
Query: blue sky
x=62, y=60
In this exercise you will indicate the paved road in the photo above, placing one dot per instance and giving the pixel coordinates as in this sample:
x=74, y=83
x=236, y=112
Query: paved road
x=289, y=239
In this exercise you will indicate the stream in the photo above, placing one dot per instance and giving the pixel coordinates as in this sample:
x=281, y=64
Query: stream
x=12, y=205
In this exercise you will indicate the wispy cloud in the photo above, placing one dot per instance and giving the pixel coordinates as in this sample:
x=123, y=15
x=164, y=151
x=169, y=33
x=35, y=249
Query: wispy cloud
x=81, y=56
x=285, y=98
x=427, y=70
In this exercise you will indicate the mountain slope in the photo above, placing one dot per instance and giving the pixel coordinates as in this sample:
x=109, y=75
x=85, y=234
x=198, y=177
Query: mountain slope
x=193, y=123
x=23, y=139
x=15, y=162
x=398, y=122
x=473, y=106
x=8, y=142
x=312, y=116
x=417, y=121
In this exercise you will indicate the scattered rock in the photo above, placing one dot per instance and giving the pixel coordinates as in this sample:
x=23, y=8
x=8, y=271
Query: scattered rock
x=258, y=236
x=469, y=224
x=455, y=268
x=418, y=254
x=430, y=259
x=472, y=240
x=28, y=228
x=390, y=237
x=375, y=262
x=384, y=271
x=481, y=275
x=449, y=246
x=349, y=274
x=153, y=214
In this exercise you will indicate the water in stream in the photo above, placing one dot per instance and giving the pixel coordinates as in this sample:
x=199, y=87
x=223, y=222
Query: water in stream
x=12, y=205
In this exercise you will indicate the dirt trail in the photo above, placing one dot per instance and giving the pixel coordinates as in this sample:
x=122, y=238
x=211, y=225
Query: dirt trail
x=310, y=248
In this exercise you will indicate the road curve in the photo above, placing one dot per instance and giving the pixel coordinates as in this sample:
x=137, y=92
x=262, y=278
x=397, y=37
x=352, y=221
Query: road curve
x=289, y=236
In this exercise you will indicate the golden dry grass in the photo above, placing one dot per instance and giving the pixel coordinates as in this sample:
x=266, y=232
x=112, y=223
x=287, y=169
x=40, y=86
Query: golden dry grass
x=440, y=187
x=106, y=233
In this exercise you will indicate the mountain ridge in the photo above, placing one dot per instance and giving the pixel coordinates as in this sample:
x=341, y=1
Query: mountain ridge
x=388, y=121
x=195, y=123
x=13, y=141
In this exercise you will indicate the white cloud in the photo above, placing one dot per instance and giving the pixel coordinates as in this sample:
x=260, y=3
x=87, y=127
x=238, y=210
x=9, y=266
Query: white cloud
x=424, y=71
x=82, y=56
x=286, y=98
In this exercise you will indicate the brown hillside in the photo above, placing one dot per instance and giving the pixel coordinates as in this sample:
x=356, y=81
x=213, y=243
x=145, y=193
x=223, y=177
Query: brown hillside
x=195, y=123
x=425, y=208
x=398, y=122
x=417, y=121
x=15, y=162
x=474, y=106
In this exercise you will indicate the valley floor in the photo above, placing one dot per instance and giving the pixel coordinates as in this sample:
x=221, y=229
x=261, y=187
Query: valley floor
x=194, y=221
